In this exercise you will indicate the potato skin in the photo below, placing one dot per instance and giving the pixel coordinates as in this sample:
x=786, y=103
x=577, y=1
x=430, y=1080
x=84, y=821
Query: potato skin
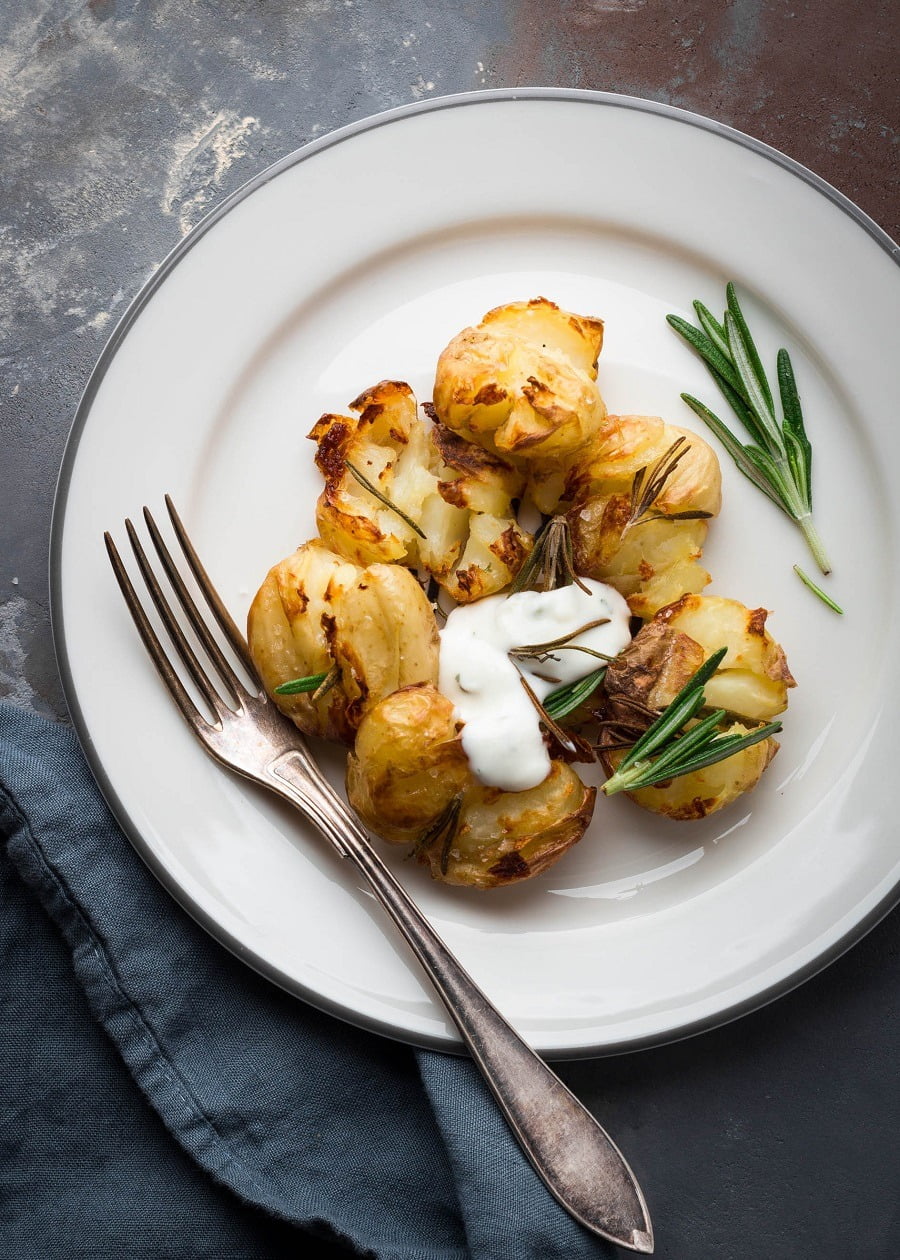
x=408, y=763
x=706, y=791
x=753, y=680
x=523, y=381
x=651, y=671
x=315, y=611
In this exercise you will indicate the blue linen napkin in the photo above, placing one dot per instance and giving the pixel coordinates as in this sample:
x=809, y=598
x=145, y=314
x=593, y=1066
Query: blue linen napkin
x=401, y=1152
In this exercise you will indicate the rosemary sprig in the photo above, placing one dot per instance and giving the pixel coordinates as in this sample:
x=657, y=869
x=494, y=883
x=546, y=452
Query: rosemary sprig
x=648, y=484
x=544, y=651
x=551, y=563
x=382, y=497
x=817, y=590
x=778, y=458
x=318, y=684
x=670, y=748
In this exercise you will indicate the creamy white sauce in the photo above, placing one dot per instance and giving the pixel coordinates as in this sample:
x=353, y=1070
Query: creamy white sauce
x=502, y=734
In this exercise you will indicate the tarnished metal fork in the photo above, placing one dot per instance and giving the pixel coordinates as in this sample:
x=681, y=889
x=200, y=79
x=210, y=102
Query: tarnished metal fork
x=577, y=1160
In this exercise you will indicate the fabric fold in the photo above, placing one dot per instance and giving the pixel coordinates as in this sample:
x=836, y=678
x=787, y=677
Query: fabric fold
x=401, y=1152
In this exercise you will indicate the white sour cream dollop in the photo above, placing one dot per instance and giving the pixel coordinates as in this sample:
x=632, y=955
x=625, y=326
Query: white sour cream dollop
x=501, y=732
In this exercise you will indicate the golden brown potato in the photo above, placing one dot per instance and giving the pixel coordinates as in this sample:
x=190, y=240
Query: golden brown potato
x=753, y=680
x=409, y=766
x=505, y=837
x=458, y=497
x=624, y=532
x=523, y=382
x=315, y=611
x=706, y=791
x=408, y=763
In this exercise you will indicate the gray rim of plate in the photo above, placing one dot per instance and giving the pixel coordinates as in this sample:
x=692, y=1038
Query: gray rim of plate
x=460, y=100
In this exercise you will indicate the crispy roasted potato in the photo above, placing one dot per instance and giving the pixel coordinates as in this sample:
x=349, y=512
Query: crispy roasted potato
x=315, y=611
x=622, y=533
x=660, y=660
x=457, y=496
x=753, y=680
x=504, y=837
x=408, y=763
x=409, y=766
x=706, y=791
x=524, y=381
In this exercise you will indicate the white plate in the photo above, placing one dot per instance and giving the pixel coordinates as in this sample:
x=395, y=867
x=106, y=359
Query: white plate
x=356, y=259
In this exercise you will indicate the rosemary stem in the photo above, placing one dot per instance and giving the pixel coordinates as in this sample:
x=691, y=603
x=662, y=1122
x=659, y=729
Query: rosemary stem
x=622, y=780
x=816, y=546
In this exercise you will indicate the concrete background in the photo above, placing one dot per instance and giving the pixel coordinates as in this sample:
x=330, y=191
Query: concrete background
x=124, y=122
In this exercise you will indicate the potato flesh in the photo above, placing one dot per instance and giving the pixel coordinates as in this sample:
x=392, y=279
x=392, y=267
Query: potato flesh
x=753, y=680
x=315, y=611
x=523, y=382
x=461, y=501
x=409, y=765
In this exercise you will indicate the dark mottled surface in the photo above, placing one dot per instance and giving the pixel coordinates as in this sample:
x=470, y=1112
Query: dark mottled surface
x=123, y=122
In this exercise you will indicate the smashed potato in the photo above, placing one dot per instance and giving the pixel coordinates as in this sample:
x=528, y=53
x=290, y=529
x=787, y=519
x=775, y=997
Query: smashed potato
x=408, y=768
x=753, y=680
x=455, y=516
x=524, y=381
x=316, y=612
x=657, y=664
x=645, y=544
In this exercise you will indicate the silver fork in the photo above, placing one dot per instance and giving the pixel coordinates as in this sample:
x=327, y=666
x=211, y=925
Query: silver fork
x=576, y=1159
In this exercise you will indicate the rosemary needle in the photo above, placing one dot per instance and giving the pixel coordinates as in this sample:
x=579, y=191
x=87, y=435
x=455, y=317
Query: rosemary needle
x=817, y=590
x=382, y=497
x=318, y=684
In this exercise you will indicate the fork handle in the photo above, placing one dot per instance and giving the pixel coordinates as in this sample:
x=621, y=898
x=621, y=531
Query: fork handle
x=577, y=1160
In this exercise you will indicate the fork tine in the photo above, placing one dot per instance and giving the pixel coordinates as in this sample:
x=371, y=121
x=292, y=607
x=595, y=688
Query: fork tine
x=157, y=653
x=201, y=629
x=176, y=634
x=211, y=595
